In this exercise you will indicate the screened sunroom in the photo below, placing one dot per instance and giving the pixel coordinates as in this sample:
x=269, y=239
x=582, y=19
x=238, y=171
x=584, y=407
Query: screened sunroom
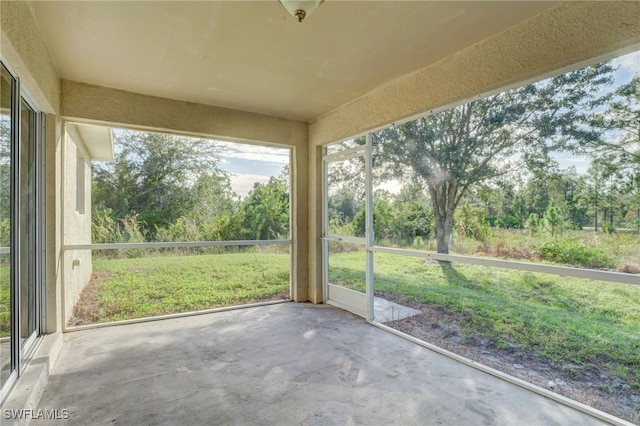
x=378, y=212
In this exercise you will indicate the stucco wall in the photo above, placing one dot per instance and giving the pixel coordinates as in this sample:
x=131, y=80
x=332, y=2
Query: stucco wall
x=53, y=233
x=569, y=34
x=77, y=225
x=26, y=52
x=563, y=37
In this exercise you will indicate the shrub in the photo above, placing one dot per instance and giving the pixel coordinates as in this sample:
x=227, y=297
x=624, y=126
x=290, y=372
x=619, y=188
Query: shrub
x=412, y=220
x=5, y=232
x=576, y=253
x=468, y=224
x=507, y=221
x=532, y=224
x=553, y=219
x=183, y=229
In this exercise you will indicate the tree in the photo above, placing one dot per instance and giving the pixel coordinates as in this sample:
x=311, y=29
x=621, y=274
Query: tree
x=553, y=219
x=619, y=126
x=264, y=213
x=452, y=150
x=156, y=176
x=532, y=224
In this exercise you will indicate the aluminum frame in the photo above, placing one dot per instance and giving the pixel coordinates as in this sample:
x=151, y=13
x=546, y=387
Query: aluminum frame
x=346, y=298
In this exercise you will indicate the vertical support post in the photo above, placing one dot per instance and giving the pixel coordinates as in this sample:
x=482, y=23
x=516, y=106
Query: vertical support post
x=15, y=274
x=41, y=209
x=369, y=232
x=325, y=227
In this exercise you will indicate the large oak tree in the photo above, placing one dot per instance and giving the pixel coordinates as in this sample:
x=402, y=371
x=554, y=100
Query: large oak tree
x=452, y=150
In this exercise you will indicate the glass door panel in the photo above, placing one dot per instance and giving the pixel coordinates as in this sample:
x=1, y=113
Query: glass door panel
x=346, y=197
x=27, y=214
x=5, y=226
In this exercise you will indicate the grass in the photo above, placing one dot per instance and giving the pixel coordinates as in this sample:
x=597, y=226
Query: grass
x=585, y=322
x=624, y=248
x=134, y=288
x=5, y=302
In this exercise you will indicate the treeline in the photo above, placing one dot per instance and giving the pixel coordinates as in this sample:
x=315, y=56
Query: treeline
x=169, y=188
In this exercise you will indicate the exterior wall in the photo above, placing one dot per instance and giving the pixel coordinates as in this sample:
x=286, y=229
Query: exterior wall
x=561, y=38
x=77, y=225
x=53, y=235
x=26, y=52
x=23, y=49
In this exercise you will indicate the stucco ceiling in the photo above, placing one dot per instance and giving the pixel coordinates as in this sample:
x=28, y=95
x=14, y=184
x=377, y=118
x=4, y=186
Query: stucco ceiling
x=254, y=56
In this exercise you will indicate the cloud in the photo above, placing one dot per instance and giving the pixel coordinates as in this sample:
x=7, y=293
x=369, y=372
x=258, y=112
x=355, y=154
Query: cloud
x=243, y=183
x=629, y=62
x=254, y=152
x=393, y=186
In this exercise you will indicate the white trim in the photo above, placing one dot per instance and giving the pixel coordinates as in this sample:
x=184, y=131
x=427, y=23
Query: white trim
x=369, y=232
x=347, y=299
x=593, y=274
x=346, y=239
x=325, y=228
x=66, y=329
x=346, y=154
x=194, y=244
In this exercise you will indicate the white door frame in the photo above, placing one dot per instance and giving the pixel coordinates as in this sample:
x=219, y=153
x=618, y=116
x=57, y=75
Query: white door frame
x=344, y=298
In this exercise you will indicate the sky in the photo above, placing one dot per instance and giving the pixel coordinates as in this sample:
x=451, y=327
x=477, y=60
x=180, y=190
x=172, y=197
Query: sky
x=628, y=66
x=248, y=164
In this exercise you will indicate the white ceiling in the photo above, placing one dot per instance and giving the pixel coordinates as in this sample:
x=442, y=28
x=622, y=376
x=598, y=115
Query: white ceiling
x=254, y=56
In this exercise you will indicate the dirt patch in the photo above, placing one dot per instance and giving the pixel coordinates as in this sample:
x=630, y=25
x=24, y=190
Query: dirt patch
x=86, y=309
x=592, y=386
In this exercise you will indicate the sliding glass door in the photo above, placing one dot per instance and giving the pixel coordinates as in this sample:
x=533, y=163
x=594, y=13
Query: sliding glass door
x=21, y=228
x=6, y=112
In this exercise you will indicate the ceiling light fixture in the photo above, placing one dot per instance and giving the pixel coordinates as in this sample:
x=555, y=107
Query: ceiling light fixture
x=300, y=8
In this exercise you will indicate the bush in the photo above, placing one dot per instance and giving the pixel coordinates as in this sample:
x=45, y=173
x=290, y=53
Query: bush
x=507, y=221
x=467, y=223
x=412, y=221
x=5, y=232
x=575, y=253
x=183, y=229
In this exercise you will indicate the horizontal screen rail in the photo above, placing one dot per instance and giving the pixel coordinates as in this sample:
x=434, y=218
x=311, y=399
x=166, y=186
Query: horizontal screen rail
x=345, y=239
x=346, y=154
x=593, y=274
x=180, y=244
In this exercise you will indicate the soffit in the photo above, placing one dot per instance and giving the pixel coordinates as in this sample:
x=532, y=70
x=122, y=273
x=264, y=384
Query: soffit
x=97, y=140
x=253, y=56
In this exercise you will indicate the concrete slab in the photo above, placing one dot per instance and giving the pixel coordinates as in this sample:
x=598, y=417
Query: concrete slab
x=385, y=310
x=281, y=364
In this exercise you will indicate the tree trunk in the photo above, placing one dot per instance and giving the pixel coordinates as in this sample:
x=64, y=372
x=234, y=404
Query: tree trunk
x=443, y=197
x=443, y=232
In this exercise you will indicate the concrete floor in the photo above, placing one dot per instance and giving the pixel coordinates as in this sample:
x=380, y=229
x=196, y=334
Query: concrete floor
x=285, y=364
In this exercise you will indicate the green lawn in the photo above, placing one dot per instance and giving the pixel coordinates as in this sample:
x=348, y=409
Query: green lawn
x=5, y=302
x=133, y=288
x=565, y=319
